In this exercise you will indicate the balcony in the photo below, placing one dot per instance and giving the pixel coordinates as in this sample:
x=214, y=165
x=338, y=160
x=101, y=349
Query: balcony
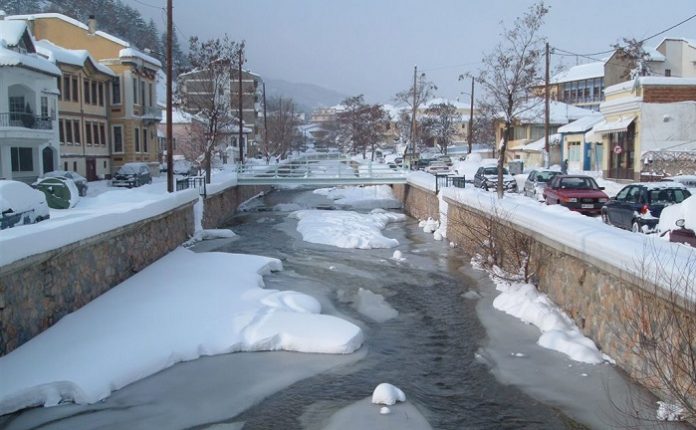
x=25, y=120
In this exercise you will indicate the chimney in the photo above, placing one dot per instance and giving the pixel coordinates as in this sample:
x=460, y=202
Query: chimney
x=92, y=24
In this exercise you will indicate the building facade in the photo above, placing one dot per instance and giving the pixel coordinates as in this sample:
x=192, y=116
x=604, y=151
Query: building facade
x=28, y=106
x=132, y=99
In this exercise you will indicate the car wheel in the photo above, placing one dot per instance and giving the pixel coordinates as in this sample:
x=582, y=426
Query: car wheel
x=605, y=218
x=635, y=227
x=484, y=187
x=149, y=181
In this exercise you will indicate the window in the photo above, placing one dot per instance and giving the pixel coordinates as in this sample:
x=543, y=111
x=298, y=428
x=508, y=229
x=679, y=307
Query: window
x=60, y=90
x=142, y=93
x=105, y=164
x=16, y=108
x=152, y=96
x=44, y=107
x=95, y=133
x=101, y=93
x=102, y=134
x=74, y=166
x=668, y=72
x=22, y=159
x=116, y=91
x=135, y=90
x=118, y=138
x=68, y=131
x=66, y=88
x=137, y=140
x=75, y=97
x=86, y=91
x=65, y=165
x=61, y=134
x=88, y=133
x=76, y=131
x=144, y=140
x=94, y=93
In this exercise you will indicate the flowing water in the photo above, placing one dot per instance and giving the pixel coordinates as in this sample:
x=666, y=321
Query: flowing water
x=435, y=349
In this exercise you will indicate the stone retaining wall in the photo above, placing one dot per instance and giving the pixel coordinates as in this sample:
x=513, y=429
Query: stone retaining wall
x=219, y=207
x=37, y=291
x=419, y=203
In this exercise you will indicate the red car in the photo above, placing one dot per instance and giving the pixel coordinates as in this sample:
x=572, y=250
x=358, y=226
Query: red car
x=577, y=193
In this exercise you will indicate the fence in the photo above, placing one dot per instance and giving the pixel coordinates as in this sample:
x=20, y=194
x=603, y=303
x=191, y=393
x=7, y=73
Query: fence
x=442, y=181
x=192, y=182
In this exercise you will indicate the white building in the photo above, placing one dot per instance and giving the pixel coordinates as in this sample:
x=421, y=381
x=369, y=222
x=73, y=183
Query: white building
x=28, y=106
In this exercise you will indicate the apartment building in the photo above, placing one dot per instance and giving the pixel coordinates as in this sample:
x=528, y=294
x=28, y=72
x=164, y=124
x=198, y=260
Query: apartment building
x=83, y=110
x=132, y=100
x=28, y=106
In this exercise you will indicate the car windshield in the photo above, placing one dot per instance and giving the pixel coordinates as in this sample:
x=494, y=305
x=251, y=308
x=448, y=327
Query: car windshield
x=128, y=169
x=493, y=171
x=546, y=176
x=669, y=195
x=578, y=183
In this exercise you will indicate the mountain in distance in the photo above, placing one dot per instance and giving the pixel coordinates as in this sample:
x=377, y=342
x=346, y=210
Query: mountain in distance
x=307, y=96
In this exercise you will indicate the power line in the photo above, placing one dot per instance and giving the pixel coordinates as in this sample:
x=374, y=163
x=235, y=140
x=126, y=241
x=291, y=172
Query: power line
x=149, y=5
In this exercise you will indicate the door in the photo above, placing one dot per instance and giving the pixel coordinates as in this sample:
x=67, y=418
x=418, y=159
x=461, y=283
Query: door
x=616, y=209
x=47, y=156
x=91, y=169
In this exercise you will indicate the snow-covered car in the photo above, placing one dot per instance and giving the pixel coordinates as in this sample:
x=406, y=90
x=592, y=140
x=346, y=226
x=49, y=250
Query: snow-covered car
x=132, y=175
x=79, y=180
x=678, y=222
x=536, y=182
x=21, y=204
x=637, y=207
x=437, y=168
x=183, y=167
x=689, y=181
x=486, y=178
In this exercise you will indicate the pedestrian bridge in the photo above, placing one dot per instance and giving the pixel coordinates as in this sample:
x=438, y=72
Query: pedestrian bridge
x=321, y=172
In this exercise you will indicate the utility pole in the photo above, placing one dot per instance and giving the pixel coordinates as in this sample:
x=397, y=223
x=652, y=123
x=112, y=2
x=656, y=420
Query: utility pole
x=265, y=126
x=546, y=110
x=471, y=116
x=241, y=121
x=170, y=146
x=413, y=118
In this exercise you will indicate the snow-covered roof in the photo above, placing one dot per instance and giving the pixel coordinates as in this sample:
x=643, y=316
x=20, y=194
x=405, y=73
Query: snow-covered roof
x=618, y=125
x=581, y=125
x=60, y=16
x=112, y=38
x=436, y=101
x=178, y=117
x=580, y=72
x=8, y=57
x=690, y=42
x=532, y=112
x=394, y=112
x=12, y=31
x=75, y=57
x=653, y=81
x=134, y=53
x=538, y=145
x=654, y=54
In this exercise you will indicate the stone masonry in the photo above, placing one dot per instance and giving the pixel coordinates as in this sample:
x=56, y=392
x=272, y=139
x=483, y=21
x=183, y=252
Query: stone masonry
x=219, y=207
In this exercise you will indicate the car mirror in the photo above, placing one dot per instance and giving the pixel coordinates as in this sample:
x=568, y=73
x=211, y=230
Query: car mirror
x=680, y=223
x=601, y=188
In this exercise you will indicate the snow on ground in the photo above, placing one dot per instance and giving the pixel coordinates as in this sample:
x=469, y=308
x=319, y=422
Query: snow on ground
x=387, y=394
x=368, y=197
x=559, y=332
x=346, y=229
x=183, y=306
x=421, y=179
x=639, y=254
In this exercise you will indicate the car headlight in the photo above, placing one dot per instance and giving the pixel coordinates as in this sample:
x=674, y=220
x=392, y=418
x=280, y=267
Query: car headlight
x=603, y=200
x=572, y=200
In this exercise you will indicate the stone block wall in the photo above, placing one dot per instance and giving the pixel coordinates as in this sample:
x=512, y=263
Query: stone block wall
x=37, y=291
x=219, y=207
x=418, y=202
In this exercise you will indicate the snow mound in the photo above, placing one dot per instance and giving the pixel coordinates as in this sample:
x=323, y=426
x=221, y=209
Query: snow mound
x=181, y=307
x=210, y=234
x=429, y=226
x=685, y=210
x=559, y=333
x=346, y=229
x=387, y=394
x=374, y=306
x=398, y=256
x=368, y=197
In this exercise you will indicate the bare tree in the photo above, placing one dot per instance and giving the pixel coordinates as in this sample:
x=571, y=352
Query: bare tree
x=424, y=91
x=205, y=89
x=636, y=57
x=511, y=69
x=361, y=125
x=483, y=128
x=441, y=121
x=282, y=128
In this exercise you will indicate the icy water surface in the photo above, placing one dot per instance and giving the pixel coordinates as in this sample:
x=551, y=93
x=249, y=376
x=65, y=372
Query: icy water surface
x=421, y=334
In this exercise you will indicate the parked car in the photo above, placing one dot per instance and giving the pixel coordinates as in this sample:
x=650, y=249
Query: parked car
x=637, y=207
x=79, y=180
x=576, y=192
x=399, y=161
x=536, y=182
x=486, y=178
x=689, y=181
x=21, y=204
x=184, y=167
x=445, y=159
x=132, y=175
x=437, y=167
x=679, y=222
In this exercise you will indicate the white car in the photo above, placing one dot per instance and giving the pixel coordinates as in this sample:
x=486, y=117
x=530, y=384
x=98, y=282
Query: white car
x=437, y=167
x=21, y=204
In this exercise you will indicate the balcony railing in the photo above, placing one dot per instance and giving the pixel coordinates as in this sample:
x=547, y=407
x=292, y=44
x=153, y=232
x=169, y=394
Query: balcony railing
x=25, y=120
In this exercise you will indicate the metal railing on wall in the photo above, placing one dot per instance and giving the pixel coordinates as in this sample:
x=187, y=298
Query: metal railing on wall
x=443, y=181
x=25, y=120
x=192, y=182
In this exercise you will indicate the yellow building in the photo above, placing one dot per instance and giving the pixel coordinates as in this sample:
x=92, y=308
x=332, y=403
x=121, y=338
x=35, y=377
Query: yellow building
x=132, y=101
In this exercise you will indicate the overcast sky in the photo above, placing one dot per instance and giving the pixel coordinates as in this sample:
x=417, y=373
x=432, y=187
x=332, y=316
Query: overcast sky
x=371, y=46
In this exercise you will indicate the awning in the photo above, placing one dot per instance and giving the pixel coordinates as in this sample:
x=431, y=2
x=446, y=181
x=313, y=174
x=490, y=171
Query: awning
x=620, y=125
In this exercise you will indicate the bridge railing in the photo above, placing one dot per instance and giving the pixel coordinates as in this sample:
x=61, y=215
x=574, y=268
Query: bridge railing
x=319, y=169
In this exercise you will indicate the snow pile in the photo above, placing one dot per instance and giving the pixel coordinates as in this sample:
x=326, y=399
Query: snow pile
x=429, y=226
x=346, y=229
x=669, y=412
x=368, y=197
x=685, y=210
x=183, y=306
x=398, y=256
x=421, y=179
x=201, y=235
x=374, y=306
x=387, y=394
x=559, y=333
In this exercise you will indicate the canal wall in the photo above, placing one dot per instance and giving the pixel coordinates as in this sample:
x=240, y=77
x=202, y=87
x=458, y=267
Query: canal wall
x=37, y=290
x=630, y=318
x=419, y=202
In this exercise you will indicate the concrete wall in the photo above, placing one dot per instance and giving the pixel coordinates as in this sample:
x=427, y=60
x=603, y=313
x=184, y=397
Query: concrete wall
x=628, y=317
x=418, y=202
x=221, y=206
x=37, y=291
